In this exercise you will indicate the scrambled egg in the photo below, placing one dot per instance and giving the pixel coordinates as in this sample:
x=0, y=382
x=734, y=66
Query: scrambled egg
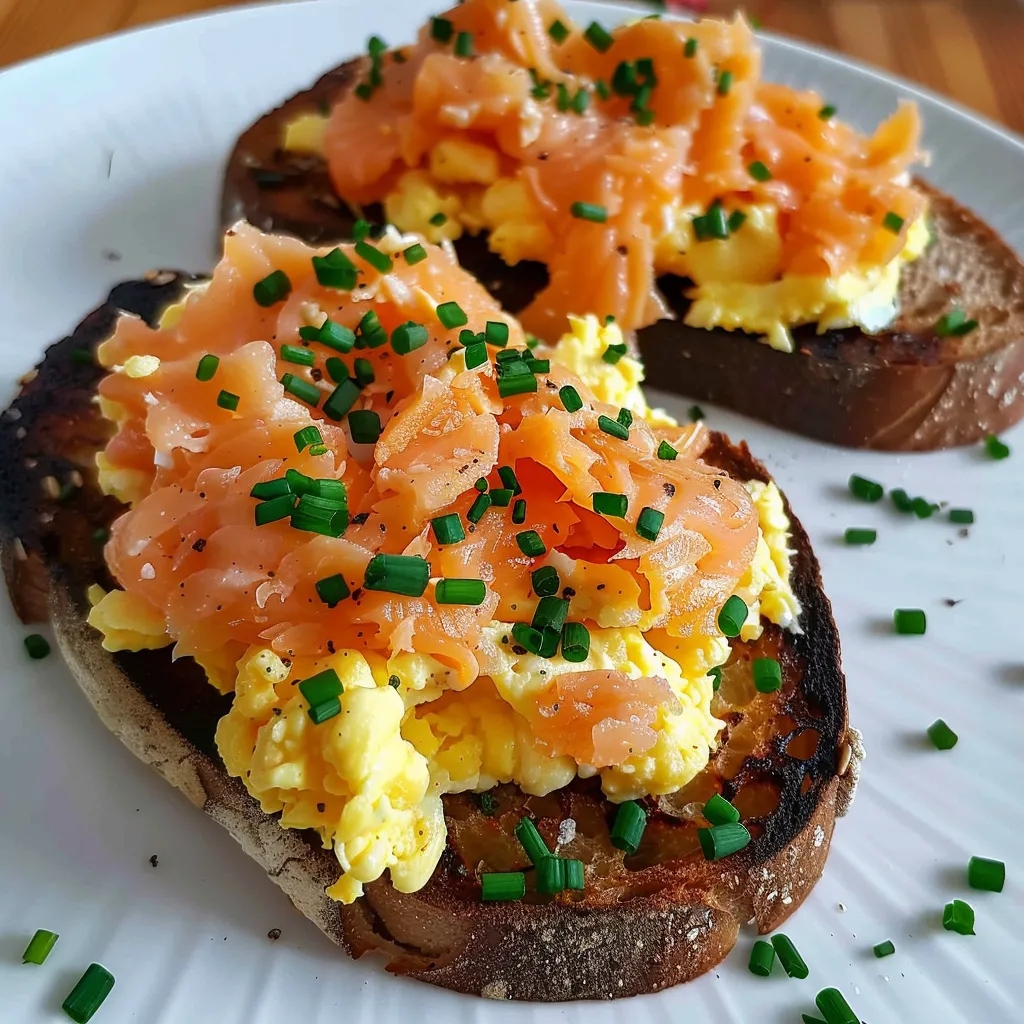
x=370, y=780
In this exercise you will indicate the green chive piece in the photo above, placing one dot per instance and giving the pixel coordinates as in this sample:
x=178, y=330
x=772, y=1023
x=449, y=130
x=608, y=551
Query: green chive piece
x=488, y=804
x=538, y=365
x=298, y=354
x=335, y=270
x=860, y=535
x=759, y=172
x=613, y=427
x=902, y=500
x=464, y=44
x=408, y=337
x=478, y=508
x=923, y=508
x=629, y=825
x=362, y=370
x=987, y=875
x=598, y=37
x=909, y=621
x=364, y=90
x=341, y=399
x=608, y=504
x=508, y=478
x=551, y=875
x=481, y=484
x=397, y=574
x=544, y=580
x=496, y=333
x=451, y=315
x=834, y=1007
x=365, y=426
x=272, y=510
x=318, y=449
x=519, y=512
x=884, y=949
x=613, y=353
x=335, y=336
x=271, y=489
x=558, y=31
x=527, y=637
x=942, y=737
x=509, y=356
x=866, y=490
x=503, y=885
x=306, y=436
x=301, y=389
x=312, y=514
x=624, y=79
x=767, y=675
x=648, y=523
x=736, y=220
x=532, y=842
x=449, y=591
x=575, y=642
x=714, y=223
x=581, y=101
x=207, y=368
x=517, y=384
x=476, y=355
x=227, y=400
x=570, y=398
x=625, y=417
x=722, y=840
x=336, y=369
x=589, y=211
x=954, y=324
x=995, y=448
x=963, y=516
x=441, y=29
x=448, y=529
x=732, y=616
x=762, y=958
x=360, y=230
x=790, y=958
x=696, y=413
x=550, y=613
x=39, y=947
x=574, y=875
x=716, y=683
x=958, y=916
x=414, y=254
x=827, y=112
x=438, y=219
x=87, y=996
x=321, y=687
x=380, y=261
x=272, y=289
x=332, y=589
x=530, y=544
x=690, y=49
x=501, y=497
x=37, y=646
x=718, y=811
x=893, y=222
x=320, y=713
x=601, y=88
x=724, y=83
x=564, y=100
x=666, y=452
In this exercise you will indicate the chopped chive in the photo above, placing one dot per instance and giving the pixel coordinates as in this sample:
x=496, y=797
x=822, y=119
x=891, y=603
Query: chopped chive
x=558, y=31
x=519, y=512
x=574, y=875
x=551, y=613
x=464, y=44
x=88, y=994
x=564, y=101
x=414, y=254
x=909, y=621
x=625, y=417
x=271, y=489
x=696, y=413
x=471, y=592
x=527, y=637
x=884, y=949
x=901, y=500
x=408, y=337
x=335, y=270
x=380, y=261
x=298, y=354
x=607, y=503
x=341, y=399
x=954, y=324
x=551, y=875
x=581, y=101
x=613, y=427
x=762, y=958
x=448, y=529
x=759, y=171
x=364, y=90
x=575, y=642
x=736, y=220
x=544, y=580
x=827, y=112
x=508, y=478
x=360, y=230
x=530, y=544
x=207, y=368
x=320, y=713
x=476, y=355
x=716, y=682
x=335, y=336
x=893, y=222
x=718, y=811
x=501, y=497
x=835, y=1008
x=451, y=315
x=942, y=737
x=272, y=289
x=39, y=947
x=503, y=885
x=923, y=508
x=713, y=224
x=613, y=353
x=227, y=400
x=995, y=448
x=301, y=389
x=858, y=535
x=480, y=505
x=598, y=37
x=722, y=840
x=319, y=515
x=365, y=426
x=397, y=574
x=963, y=516
x=732, y=616
x=648, y=523
x=519, y=384
x=629, y=825
x=601, y=88
x=987, y=875
x=306, y=436
x=724, y=83
x=866, y=490
x=570, y=398
x=321, y=687
x=589, y=211
x=538, y=365
x=767, y=675
x=496, y=333
x=666, y=452
x=318, y=449
x=332, y=589
x=37, y=646
x=362, y=370
x=510, y=355
x=481, y=484
x=441, y=29
x=624, y=79
x=958, y=916
x=336, y=369
x=792, y=962
x=531, y=841
x=690, y=48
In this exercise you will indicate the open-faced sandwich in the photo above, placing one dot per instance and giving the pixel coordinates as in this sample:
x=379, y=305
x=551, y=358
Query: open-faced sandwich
x=769, y=256
x=473, y=651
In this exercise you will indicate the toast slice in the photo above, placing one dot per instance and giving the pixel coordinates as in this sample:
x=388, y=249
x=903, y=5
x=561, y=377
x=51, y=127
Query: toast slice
x=787, y=760
x=904, y=389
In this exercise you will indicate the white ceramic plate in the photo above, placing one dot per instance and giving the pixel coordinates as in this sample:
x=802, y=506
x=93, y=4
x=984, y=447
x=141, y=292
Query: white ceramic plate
x=117, y=147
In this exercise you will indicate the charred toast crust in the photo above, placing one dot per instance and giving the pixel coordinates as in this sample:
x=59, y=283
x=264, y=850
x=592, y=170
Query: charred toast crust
x=651, y=921
x=904, y=389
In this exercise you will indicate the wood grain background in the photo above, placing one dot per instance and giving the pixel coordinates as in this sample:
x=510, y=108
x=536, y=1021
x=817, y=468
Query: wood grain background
x=971, y=50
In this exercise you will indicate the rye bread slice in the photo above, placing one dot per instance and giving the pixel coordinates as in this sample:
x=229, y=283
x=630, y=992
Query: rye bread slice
x=905, y=388
x=663, y=916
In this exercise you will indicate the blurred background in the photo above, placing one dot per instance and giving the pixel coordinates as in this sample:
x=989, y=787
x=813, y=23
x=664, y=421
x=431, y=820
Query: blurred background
x=970, y=50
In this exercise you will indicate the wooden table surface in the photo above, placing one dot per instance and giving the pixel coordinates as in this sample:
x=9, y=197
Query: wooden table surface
x=970, y=50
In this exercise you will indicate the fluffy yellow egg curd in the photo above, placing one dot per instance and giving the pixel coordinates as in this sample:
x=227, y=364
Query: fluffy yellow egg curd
x=422, y=556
